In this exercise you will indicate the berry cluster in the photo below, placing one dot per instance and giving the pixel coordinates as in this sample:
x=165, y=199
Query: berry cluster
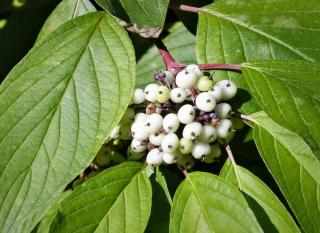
x=183, y=119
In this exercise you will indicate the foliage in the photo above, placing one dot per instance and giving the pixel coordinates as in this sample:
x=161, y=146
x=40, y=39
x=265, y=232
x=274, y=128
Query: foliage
x=60, y=168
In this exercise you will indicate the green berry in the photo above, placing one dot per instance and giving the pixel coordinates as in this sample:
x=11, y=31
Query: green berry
x=185, y=146
x=204, y=83
x=163, y=94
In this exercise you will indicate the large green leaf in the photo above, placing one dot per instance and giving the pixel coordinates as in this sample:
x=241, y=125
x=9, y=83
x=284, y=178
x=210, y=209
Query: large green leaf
x=233, y=31
x=144, y=17
x=180, y=43
x=65, y=11
x=207, y=203
x=289, y=93
x=271, y=214
x=57, y=107
x=116, y=200
x=294, y=167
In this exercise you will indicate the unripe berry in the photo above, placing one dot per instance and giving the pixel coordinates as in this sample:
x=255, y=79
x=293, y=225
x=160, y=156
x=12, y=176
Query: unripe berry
x=216, y=92
x=208, y=134
x=154, y=157
x=138, y=146
x=156, y=138
x=192, y=130
x=195, y=68
x=205, y=102
x=186, y=79
x=171, y=123
x=150, y=92
x=170, y=143
x=185, y=162
x=163, y=94
x=224, y=127
x=169, y=158
x=204, y=83
x=132, y=155
x=229, y=89
x=153, y=123
x=223, y=110
x=214, y=154
x=128, y=116
x=115, y=133
x=138, y=96
x=178, y=95
x=125, y=131
x=139, y=131
x=200, y=150
x=186, y=114
x=185, y=146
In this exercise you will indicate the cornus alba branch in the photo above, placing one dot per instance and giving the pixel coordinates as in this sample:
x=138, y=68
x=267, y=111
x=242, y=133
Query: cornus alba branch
x=175, y=67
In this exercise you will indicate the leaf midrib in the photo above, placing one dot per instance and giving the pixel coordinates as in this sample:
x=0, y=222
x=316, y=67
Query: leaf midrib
x=255, y=30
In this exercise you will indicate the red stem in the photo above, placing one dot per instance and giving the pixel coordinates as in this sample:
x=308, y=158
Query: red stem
x=185, y=173
x=189, y=8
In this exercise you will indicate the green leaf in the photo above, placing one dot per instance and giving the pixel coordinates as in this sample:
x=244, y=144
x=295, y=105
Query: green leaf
x=180, y=43
x=207, y=203
x=288, y=91
x=57, y=107
x=294, y=167
x=65, y=11
x=116, y=200
x=161, y=204
x=233, y=32
x=46, y=221
x=140, y=16
x=271, y=214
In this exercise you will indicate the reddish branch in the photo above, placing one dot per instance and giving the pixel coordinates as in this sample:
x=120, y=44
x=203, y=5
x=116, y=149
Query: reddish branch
x=174, y=67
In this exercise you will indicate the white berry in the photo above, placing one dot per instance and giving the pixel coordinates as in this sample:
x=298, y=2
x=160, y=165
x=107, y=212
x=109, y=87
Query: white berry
x=192, y=130
x=169, y=158
x=150, y=92
x=140, y=117
x=186, y=114
x=170, y=143
x=178, y=95
x=156, y=138
x=138, y=146
x=195, y=68
x=185, y=146
x=138, y=96
x=115, y=133
x=205, y=102
x=154, y=157
x=224, y=128
x=216, y=92
x=171, y=123
x=208, y=134
x=223, y=110
x=200, y=150
x=153, y=123
x=169, y=77
x=186, y=79
x=229, y=89
x=139, y=131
